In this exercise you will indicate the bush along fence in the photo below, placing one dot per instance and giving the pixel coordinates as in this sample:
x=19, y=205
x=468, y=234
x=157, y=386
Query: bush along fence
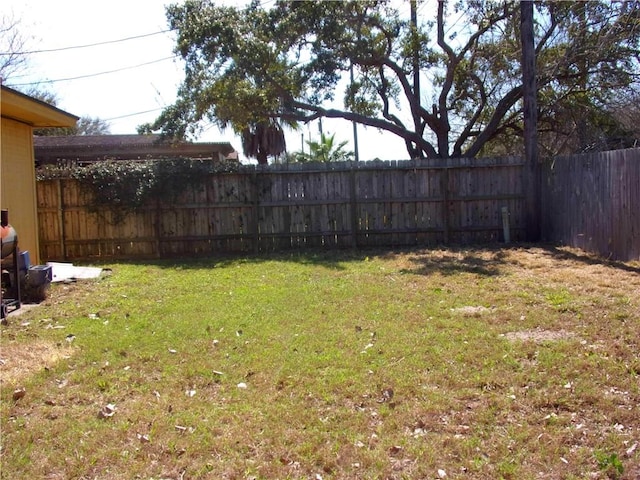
x=133, y=210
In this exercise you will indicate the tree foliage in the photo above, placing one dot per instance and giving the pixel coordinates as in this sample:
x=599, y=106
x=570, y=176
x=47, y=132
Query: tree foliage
x=446, y=79
x=262, y=139
x=325, y=150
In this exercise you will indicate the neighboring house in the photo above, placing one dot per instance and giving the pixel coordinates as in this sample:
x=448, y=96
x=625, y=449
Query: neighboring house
x=84, y=149
x=20, y=115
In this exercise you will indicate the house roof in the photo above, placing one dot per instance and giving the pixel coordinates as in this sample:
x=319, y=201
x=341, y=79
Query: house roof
x=25, y=109
x=97, y=147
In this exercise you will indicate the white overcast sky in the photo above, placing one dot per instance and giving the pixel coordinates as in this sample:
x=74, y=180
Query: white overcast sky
x=143, y=77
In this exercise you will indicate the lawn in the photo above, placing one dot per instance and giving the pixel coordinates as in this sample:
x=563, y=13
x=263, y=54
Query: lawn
x=475, y=363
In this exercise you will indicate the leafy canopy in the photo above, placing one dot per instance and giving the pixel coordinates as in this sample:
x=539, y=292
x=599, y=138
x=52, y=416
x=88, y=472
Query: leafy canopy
x=446, y=78
x=326, y=150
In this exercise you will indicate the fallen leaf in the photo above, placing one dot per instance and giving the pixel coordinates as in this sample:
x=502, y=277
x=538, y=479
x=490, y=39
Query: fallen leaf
x=396, y=449
x=19, y=393
x=107, y=411
x=387, y=394
x=367, y=347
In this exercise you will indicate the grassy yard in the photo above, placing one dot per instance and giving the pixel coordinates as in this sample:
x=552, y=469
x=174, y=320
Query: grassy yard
x=478, y=363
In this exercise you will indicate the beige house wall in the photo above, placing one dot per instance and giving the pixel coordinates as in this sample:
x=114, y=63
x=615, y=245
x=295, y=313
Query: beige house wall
x=18, y=189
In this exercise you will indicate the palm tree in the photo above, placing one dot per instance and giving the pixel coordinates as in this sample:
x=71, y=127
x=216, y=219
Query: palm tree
x=262, y=140
x=326, y=150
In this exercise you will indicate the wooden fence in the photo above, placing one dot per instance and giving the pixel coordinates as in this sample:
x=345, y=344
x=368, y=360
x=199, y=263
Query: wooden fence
x=592, y=202
x=418, y=202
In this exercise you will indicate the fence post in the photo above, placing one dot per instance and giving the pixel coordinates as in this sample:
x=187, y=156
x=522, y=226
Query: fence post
x=354, y=205
x=445, y=203
x=63, y=244
x=158, y=228
x=256, y=211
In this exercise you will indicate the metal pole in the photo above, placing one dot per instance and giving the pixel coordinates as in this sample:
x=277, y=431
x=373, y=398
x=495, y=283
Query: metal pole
x=355, y=126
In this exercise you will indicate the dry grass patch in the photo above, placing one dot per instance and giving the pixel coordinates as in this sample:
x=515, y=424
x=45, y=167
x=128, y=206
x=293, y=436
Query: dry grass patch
x=19, y=361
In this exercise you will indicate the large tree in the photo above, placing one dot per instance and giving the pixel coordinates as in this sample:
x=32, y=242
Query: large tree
x=446, y=78
x=12, y=46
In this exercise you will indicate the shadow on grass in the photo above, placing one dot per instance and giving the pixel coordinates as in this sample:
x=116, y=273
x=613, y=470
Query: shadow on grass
x=488, y=260
x=480, y=260
x=484, y=260
x=588, y=259
x=330, y=259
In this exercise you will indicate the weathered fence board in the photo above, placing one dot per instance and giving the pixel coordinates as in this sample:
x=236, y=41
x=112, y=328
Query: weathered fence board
x=419, y=202
x=592, y=202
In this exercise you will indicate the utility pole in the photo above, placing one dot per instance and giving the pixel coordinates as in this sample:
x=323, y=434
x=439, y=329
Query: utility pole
x=413, y=5
x=355, y=125
x=532, y=171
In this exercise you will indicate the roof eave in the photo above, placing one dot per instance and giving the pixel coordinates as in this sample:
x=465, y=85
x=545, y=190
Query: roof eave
x=25, y=109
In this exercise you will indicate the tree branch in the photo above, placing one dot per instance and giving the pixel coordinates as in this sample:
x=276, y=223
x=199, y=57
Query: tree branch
x=318, y=112
x=466, y=132
x=501, y=110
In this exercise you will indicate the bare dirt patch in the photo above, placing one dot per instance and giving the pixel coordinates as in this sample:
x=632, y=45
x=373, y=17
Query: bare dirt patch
x=471, y=311
x=539, y=336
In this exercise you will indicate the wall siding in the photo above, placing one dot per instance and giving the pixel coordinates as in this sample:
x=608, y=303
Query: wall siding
x=19, y=184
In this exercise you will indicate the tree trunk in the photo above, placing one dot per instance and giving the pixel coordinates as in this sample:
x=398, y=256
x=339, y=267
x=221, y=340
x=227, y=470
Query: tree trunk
x=262, y=158
x=532, y=170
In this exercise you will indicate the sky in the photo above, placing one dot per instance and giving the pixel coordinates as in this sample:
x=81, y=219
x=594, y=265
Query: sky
x=128, y=80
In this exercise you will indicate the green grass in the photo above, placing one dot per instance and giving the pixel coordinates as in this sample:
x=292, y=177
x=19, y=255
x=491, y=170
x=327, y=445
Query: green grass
x=485, y=363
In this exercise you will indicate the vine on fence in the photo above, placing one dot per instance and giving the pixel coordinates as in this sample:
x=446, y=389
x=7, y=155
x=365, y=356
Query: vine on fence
x=122, y=186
